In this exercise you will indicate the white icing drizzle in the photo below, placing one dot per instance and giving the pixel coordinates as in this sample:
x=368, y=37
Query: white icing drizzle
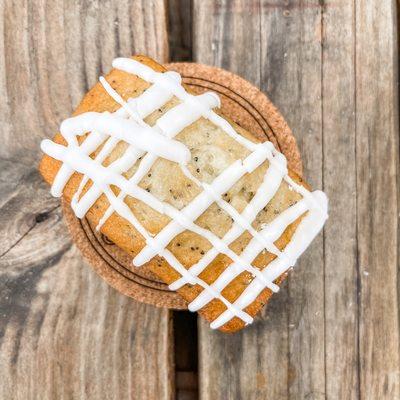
x=308, y=228
x=267, y=189
x=149, y=143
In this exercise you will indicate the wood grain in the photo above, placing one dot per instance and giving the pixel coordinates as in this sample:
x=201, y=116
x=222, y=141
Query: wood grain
x=339, y=152
x=63, y=332
x=377, y=198
x=317, y=61
x=54, y=52
x=252, y=363
x=291, y=56
x=284, y=47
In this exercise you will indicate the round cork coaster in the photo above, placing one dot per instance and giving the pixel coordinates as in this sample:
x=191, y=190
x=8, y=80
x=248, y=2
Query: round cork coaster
x=244, y=104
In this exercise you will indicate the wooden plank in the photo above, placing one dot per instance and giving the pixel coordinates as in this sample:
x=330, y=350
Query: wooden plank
x=377, y=197
x=252, y=363
x=227, y=34
x=338, y=105
x=272, y=45
x=291, y=74
x=63, y=332
x=54, y=51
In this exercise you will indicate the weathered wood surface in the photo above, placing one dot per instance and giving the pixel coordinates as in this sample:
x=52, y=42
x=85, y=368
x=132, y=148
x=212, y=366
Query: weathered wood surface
x=377, y=160
x=333, y=330
x=285, y=349
x=64, y=334
x=225, y=359
x=341, y=263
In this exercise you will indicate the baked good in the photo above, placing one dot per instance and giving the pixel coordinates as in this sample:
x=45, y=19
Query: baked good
x=195, y=197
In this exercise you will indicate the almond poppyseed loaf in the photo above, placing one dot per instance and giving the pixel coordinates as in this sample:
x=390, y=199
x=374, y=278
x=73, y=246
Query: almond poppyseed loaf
x=212, y=151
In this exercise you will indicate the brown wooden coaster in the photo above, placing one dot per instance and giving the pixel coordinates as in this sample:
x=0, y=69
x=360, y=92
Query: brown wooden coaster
x=244, y=104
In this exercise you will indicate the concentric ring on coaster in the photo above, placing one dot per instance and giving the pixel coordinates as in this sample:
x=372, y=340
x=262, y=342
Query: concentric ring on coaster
x=244, y=104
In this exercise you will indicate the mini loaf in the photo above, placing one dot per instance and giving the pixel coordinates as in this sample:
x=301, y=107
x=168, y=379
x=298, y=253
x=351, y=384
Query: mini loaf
x=188, y=193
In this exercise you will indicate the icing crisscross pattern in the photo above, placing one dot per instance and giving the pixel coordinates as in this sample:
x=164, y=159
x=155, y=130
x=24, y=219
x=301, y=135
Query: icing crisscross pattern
x=147, y=143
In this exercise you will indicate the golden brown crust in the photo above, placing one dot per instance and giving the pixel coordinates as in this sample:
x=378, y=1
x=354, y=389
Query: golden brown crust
x=185, y=246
